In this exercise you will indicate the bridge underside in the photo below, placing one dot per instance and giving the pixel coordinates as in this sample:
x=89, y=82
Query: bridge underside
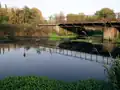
x=111, y=30
x=95, y=24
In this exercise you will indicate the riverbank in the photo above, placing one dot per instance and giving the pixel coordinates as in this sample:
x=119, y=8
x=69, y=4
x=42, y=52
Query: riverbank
x=7, y=40
x=56, y=37
x=44, y=83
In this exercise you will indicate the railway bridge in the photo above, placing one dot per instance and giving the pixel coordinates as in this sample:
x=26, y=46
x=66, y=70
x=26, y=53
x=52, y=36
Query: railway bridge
x=110, y=29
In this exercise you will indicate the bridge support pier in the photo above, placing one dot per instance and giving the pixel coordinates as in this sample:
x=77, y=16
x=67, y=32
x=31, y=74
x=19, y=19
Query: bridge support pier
x=110, y=33
x=57, y=28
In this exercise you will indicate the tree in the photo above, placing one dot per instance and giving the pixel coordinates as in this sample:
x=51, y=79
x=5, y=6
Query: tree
x=37, y=16
x=12, y=16
x=81, y=17
x=0, y=5
x=6, y=7
x=105, y=13
x=71, y=18
x=27, y=15
x=52, y=19
x=60, y=18
x=3, y=14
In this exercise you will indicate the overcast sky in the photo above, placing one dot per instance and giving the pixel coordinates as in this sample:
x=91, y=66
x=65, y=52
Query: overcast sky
x=50, y=7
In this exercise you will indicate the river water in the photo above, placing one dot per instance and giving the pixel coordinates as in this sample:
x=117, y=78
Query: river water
x=25, y=59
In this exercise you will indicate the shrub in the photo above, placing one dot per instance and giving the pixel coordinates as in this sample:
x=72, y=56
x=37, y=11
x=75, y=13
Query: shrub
x=43, y=83
x=114, y=74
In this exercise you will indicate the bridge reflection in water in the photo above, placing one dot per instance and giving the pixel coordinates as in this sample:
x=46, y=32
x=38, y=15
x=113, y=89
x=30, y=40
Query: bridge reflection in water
x=77, y=54
x=81, y=55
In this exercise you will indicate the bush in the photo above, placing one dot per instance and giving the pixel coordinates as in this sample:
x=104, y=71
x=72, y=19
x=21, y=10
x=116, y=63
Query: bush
x=114, y=74
x=43, y=83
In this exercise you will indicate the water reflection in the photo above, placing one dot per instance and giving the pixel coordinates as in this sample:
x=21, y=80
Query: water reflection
x=27, y=48
x=50, y=51
x=38, y=51
x=24, y=54
x=62, y=66
x=99, y=49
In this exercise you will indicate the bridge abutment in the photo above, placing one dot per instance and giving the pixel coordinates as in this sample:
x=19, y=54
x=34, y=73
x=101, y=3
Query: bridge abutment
x=110, y=33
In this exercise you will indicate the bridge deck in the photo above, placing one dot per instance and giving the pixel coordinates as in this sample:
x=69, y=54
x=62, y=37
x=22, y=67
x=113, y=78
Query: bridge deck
x=102, y=24
x=81, y=24
x=47, y=24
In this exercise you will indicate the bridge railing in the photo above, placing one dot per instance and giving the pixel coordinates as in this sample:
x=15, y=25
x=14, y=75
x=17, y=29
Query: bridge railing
x=81, y=55
x=86, y=20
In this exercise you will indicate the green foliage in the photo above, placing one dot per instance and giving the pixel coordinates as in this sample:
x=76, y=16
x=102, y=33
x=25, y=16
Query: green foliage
x=105, y=13
x=81, y=17
x=56, y=37
x=43, y=83
x=114, y=74
x=20, y=15
x=3, y=19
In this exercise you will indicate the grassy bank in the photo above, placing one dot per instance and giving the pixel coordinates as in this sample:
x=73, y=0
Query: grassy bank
x=7, y=39
x=43, y=83
x=55, y=37
x=117, y=40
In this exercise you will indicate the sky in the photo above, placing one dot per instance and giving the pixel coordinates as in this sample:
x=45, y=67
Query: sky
x=51, y=7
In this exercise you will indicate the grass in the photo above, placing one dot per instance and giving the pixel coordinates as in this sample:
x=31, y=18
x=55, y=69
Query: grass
x=117, y=40
x=43, y=83
x=55, y=37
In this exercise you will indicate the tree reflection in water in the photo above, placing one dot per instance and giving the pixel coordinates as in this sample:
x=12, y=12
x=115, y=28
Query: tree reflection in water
x=38, y=51
x=50, y=51
x=24, y=54
x=27, y=48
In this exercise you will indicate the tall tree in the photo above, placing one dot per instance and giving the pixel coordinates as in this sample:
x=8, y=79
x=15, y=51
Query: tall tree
x=105, y=13
x=3, y=15
x=71, y=18
x=0, y=5
x=81, y=17
x=27, y=14
x=37, y=16
x=60, y=18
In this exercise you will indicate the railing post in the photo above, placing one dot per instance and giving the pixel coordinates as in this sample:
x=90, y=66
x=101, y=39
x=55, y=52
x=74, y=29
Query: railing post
x=75, y=54
x=96, y=57
x=91, y=56
x=67, y=52
x=55, y=50
x=59, y=51
x=80, y=54
x=71, y=52
x=63, y=51
x=85, y=56
x=107, y=60
x=103, y=58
